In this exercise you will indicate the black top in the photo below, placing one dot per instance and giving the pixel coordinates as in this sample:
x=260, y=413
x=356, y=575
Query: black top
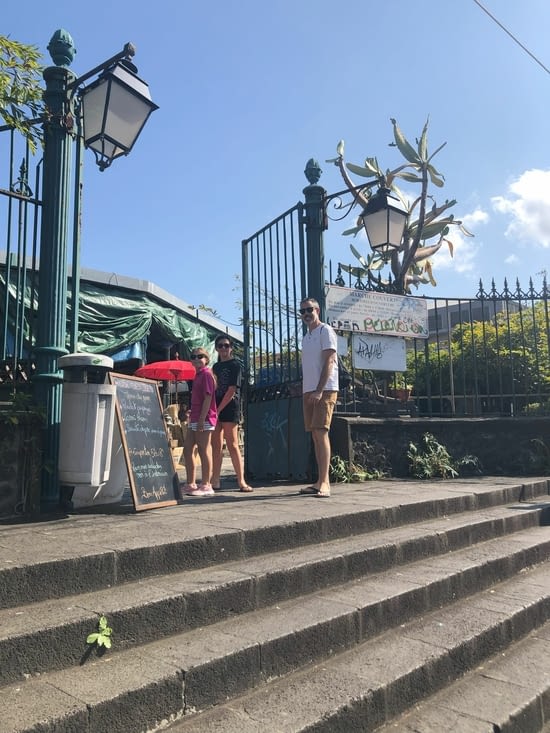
x=228, y=374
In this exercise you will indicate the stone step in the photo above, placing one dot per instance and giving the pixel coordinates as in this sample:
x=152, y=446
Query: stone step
x=138, y=687
x=48, y=635
x=508, y=693
x=68, y=558
x=482, y=651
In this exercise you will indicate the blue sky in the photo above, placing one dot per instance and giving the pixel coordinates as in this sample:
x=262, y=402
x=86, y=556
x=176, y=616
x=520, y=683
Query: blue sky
x=248, y=91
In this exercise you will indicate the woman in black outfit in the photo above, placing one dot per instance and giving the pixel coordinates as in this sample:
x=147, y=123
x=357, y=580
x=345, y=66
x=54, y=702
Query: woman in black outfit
x=228, y=373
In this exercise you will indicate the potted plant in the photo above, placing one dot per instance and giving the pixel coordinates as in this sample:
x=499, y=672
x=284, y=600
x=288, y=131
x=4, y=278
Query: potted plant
x=402, y=388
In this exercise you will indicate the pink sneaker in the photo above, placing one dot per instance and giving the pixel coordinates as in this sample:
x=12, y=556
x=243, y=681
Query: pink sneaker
x=204, y=490
x=189, y=489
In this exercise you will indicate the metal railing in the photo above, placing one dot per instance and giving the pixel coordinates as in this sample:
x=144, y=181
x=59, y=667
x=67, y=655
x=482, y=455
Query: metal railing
x=485, y=355
x=20, y=213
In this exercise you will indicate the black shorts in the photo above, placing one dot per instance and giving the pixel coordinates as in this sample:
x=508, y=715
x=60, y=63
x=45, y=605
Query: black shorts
x=230, y=413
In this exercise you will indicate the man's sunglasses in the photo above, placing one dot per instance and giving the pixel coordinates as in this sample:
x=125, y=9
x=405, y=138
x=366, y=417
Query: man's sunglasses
x=223, y=346
x=309, y=309
x=197, y=356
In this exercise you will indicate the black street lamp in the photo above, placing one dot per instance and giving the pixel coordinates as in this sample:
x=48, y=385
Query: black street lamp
x=115, y=108
x=384, y=219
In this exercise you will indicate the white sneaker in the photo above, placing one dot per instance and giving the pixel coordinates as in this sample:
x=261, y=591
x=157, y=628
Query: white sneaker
x=203, y=490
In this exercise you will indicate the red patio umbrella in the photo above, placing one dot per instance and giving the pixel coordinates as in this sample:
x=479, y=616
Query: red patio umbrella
x=171, y=370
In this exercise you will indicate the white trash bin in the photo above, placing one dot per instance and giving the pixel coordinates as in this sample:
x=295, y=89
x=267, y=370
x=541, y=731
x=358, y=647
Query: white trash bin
x=87, y=419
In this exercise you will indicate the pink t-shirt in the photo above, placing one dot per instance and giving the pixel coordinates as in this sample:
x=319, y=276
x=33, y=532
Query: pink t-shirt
x=203, y=385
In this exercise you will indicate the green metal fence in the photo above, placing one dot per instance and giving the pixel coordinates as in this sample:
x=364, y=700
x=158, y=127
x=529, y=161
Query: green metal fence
x=20, y=214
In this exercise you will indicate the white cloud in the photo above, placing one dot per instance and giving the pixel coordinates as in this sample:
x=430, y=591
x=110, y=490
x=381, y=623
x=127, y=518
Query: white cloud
x=528, y=205
x=512, y=260
x=476, y=217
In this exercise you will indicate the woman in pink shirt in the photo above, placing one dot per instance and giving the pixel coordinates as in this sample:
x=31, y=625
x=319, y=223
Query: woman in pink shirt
x=202, y=421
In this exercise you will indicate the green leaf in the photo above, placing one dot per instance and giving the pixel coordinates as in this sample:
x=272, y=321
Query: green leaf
x=438, y=210
x=435, y=177
x=377, y=263
x=359, y=256
x=464, y=231
x=423, y=144
x=92, y=638
x=372, y=165
x=108, y=643
x=354, y=271
x=410, y=177
x=404, y=146
x=102, y=623
x=432, y=156
x=430, y=230
x=353, y=230
x=360, y=170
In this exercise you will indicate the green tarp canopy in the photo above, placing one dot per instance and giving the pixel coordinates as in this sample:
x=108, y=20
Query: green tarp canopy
x=111, y=319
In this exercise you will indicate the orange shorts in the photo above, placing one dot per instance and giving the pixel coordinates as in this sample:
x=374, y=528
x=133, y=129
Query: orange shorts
x=318, y=413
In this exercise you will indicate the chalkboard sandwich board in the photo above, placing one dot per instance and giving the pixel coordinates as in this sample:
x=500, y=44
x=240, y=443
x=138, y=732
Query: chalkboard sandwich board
x=145, y=440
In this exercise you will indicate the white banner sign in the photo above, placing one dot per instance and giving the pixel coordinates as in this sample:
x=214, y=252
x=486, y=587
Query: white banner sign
x=383, y=353
x=380, y=313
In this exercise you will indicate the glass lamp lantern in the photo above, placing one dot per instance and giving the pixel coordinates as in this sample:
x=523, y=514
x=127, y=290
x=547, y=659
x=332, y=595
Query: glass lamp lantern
x=115, y=109
x=384, y=219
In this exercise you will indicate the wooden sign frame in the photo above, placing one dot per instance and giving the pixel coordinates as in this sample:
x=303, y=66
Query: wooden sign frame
x=146, y=442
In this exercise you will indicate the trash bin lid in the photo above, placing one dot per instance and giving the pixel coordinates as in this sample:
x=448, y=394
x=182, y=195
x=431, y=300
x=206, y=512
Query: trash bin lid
x=83, y=361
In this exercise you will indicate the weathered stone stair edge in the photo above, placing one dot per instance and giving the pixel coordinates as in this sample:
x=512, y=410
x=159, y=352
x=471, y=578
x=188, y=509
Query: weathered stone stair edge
x=366, y=687
x=132, y=687
x=44, y=574
x=507, y=694
x=50, y=635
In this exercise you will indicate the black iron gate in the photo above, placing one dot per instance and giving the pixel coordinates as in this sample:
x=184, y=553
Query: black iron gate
x=282, y=263
x=274, y=267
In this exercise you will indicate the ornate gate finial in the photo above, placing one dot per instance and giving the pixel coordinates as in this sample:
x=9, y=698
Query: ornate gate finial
x=61, y=48
x=313, y=171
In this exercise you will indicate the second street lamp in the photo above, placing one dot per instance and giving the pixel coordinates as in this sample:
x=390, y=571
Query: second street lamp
x=384, y=219
x=127, y=104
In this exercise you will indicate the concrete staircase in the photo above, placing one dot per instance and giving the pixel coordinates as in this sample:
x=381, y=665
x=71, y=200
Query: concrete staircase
x=399, y=606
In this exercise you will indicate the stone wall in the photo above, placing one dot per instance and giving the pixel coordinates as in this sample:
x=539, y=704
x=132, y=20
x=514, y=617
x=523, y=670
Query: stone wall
x=503, y=446
x=20, y=462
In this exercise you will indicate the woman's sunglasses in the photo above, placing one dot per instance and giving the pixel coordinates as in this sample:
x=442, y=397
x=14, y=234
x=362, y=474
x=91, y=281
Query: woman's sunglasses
x=197, y=356
x=223, y=346
x=309, y=309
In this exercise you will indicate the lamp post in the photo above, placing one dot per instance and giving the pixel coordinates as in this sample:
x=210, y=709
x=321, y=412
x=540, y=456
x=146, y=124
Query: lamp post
x=314, y=219
x=118, y=106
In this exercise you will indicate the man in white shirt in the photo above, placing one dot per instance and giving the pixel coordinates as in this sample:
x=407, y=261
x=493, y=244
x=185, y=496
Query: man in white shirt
x=320, y=389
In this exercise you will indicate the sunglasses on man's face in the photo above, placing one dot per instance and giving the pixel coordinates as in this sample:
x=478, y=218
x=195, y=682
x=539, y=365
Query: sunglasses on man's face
x=309, y=309
x=223, y=346
x=197, y=356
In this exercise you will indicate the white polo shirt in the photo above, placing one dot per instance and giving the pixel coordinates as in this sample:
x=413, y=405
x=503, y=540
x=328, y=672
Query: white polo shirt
x=313, y=344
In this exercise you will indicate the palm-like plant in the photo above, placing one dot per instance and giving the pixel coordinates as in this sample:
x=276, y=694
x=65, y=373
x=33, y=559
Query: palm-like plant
x=410, y=264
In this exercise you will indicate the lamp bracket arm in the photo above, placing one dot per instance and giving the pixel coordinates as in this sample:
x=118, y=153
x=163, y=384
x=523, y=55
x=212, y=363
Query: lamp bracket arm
x=127, y=52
